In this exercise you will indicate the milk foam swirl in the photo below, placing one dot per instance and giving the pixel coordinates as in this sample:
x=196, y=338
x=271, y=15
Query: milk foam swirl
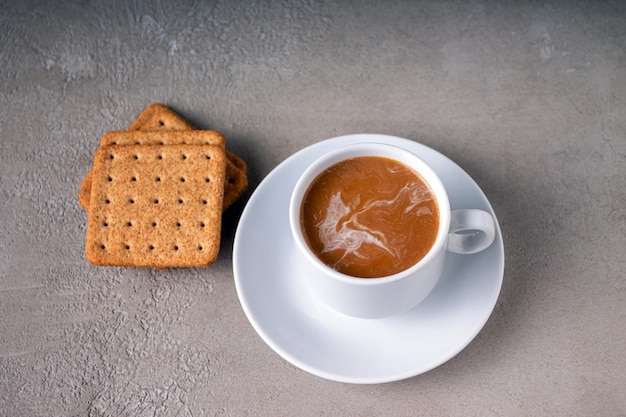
x=345, y=226
x=369, y=217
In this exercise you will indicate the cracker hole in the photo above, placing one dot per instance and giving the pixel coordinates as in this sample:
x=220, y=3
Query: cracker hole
x=135, y=157
x=155, y=201
x=131, y=201
x=161, y=143
x=184, y=156
x=107, y=201
x=208, y=157
x=180, y=201
x=202, y=224
x=159, y=156
x=102, y=246
x=182, y=179
x=111, y=156
x=110, y=179
x=157, y=179
x=105, y=224
x=113, y=143
x=137, y=142
x=200, y=247
x=207, y=180
x=178, y=224
x=127, y=247
x=175, y=247
x=161, y=123
x=151, y=247
x=153, y=224
x=231, y=181
x=129, y=223
x=133, y=179
x=205, y=202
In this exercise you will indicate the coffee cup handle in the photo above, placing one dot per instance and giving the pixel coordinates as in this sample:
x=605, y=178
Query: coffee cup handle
x=471, y=231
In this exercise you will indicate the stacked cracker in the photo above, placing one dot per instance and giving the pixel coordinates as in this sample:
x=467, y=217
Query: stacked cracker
x=156, y=193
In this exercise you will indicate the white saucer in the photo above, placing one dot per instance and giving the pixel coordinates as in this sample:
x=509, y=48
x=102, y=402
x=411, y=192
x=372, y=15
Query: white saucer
x=328, y=344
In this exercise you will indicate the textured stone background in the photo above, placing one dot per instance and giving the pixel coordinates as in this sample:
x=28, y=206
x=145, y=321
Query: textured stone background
x=530, y=99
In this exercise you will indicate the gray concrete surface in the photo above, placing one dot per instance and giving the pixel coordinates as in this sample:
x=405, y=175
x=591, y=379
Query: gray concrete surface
x=530, y=99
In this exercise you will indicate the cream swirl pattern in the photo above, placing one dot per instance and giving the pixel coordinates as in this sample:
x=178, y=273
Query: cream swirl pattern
x=370, y=217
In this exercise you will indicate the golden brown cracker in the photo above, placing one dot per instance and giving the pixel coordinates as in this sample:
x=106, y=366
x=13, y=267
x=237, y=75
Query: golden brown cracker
x=236, y=181
x=159, y=117
x=156, y=206
x=163, y=137
x=84, y=193
x=237, y=162
x=235, y=184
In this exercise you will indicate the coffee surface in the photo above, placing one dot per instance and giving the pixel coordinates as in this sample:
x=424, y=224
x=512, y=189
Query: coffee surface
x=370, y=217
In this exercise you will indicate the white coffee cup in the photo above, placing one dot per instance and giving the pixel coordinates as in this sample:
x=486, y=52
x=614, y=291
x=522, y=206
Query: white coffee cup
x=461, y=231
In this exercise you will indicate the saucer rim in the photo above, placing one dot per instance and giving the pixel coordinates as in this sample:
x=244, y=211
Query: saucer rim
x=289, y=356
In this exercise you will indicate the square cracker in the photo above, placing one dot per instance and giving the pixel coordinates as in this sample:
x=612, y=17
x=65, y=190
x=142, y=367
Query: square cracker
x=236, y=179
x=156, y=206
x=160, y=117
x=151, y=137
